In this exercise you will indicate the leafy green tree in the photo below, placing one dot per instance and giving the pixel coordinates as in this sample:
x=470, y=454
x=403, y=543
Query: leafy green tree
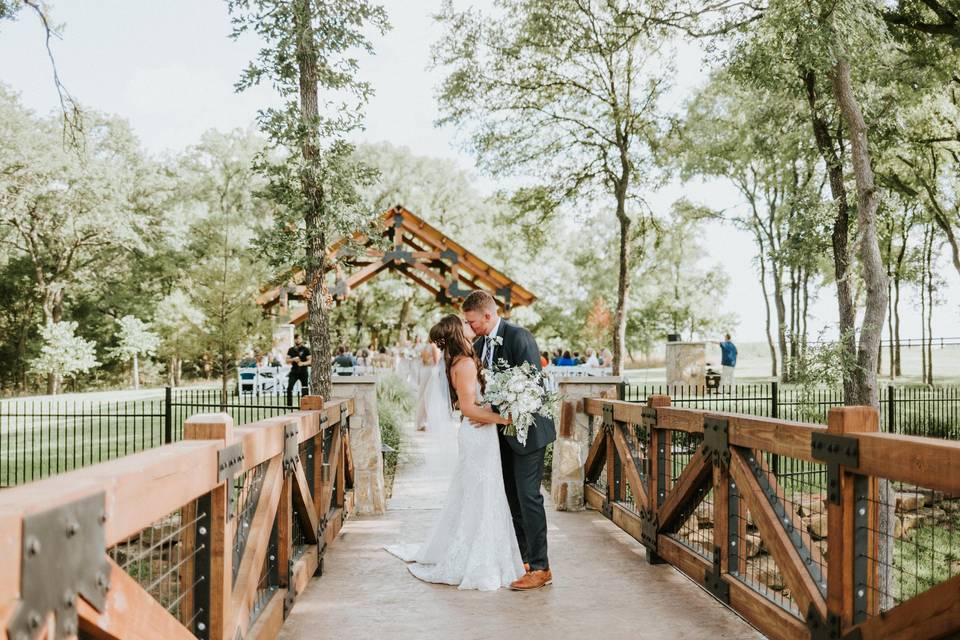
x=565, y=92
x=135, y=339
x=312, y=178
x=63, y=354
x=179, y=323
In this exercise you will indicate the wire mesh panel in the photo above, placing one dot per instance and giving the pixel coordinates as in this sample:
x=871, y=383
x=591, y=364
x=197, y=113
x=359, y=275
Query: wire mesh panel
x=246, y=489
x=918, y=549
x=641, y=442
x=696, y=528
x=269, y=582
x=163, y=559
x=796, y=491
x=244, y=408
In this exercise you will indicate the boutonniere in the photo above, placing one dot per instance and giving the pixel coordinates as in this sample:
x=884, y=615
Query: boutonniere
x=497, y=340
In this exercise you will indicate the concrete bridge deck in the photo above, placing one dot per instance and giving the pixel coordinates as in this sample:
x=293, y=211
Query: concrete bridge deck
x=603, y=585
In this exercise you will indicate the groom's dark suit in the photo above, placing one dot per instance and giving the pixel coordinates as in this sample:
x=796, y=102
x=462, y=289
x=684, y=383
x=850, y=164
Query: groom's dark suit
x=523, y=464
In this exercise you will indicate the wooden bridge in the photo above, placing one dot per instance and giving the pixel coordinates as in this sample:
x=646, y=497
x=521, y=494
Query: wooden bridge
x=805, y=531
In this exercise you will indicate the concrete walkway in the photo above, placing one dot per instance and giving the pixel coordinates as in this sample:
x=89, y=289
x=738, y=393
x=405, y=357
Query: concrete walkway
x=603, y=586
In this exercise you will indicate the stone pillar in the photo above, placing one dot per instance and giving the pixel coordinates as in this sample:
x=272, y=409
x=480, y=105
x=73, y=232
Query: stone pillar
x=573, y=438
x=368, y=490
x=686, y=363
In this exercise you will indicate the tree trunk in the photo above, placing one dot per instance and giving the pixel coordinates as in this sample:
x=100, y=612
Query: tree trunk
x=841, y=231
x=766, y=307
x=777, y=272
x=136, y=372
x=930, y=286
x=318, y=320
x=623, y=289
x=402, y=320
x=871, y=261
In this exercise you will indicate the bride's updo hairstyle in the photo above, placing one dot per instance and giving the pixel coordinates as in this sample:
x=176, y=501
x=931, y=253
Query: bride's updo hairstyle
x=449, y=337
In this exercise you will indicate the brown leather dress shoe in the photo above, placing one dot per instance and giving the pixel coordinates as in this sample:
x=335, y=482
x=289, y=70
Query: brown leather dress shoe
x=533, y=580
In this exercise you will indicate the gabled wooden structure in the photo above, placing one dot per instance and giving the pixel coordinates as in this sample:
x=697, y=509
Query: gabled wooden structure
x=415, y=249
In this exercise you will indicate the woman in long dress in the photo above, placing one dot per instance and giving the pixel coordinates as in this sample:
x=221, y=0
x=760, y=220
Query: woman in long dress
x=429, y=358
x=472, y=545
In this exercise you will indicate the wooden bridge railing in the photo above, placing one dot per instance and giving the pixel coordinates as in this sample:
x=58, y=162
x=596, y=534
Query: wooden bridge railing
x=210, y=538
x=807, y=531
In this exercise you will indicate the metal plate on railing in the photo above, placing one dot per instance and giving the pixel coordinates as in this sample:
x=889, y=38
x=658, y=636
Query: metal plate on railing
x=64, y=556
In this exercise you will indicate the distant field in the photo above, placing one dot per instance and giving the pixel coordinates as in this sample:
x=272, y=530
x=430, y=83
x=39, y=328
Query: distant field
x=753, y=364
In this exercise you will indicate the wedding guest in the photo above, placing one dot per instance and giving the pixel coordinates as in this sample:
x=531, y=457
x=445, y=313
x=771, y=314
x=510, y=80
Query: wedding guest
x=606, y=357
x=557, y=354
x=299, y=359
x=728, y=360
x=544, y=359
x=592, y=359
x=248, y=360
x=344, y=360
x=577, y=360
x=566, y=360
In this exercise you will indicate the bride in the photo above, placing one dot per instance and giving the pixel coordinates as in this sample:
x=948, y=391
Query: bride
x=472, y=545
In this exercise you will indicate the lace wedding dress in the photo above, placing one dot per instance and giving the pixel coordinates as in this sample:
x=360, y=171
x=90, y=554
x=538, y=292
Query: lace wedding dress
x=472, y=545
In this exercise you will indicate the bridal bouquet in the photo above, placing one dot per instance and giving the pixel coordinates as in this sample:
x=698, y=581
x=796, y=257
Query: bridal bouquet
x=519, y=391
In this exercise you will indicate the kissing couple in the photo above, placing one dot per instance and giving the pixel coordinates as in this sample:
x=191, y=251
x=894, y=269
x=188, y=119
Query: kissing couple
x=492, y=530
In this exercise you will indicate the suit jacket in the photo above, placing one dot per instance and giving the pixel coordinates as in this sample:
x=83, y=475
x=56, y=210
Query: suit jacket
x=519, y=346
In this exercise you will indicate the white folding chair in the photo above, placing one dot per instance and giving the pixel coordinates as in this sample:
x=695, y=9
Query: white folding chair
x=247, y=380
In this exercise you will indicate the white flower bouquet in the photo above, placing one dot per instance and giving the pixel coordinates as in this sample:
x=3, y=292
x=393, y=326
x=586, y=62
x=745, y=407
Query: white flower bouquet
x=520, y=392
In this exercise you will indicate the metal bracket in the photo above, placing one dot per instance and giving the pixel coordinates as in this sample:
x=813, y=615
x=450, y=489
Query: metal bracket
x=608, y=418
x=291, y=447
x=835, y=450
x=290, y=597
x=832, y=629
x=713, y=580
x=63, y=557
x=649, y=530
x=229, y=464
x=400, y=255
x=716, y=441
x=607, y=509
x=649, y=417
x=451, y=255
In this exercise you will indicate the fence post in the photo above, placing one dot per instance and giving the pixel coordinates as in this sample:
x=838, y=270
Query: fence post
x=891, y=409
x=168, y=416
x=853, y=527
x=217, y=426
x=658, y=453
x=775, y=413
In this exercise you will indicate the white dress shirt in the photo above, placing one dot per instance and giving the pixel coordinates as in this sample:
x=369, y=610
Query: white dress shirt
x=489, y=346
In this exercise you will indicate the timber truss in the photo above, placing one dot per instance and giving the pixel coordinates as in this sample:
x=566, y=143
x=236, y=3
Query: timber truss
x=410, y=246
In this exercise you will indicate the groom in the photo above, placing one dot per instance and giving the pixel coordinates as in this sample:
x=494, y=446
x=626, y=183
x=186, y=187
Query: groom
x=522, y=464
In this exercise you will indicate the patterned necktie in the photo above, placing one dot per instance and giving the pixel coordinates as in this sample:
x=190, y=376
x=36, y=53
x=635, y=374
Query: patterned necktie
x=488, y=351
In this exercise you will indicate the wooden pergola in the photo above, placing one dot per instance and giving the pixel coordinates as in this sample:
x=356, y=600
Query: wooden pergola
x=414, y=249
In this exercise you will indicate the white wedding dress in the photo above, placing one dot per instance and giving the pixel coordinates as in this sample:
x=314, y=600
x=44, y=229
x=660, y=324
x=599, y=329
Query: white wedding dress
x=472, y=544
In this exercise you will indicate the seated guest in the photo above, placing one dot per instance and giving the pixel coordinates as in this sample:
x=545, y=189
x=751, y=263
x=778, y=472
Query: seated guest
x=576, y=358
x=344, y=359
x=566, y=360
x=592, y=359
x=248, y=360
x=557, y=354
x=606, y=358
x=544, y=359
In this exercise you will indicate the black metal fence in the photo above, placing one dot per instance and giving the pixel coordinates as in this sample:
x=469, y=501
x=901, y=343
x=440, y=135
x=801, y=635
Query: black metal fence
x=40, y=438
x=910, y=409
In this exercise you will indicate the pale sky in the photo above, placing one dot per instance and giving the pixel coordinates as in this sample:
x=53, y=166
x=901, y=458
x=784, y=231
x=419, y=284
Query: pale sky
x=169, y=69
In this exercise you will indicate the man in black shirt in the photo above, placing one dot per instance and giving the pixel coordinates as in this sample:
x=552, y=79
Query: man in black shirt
x=298, y=357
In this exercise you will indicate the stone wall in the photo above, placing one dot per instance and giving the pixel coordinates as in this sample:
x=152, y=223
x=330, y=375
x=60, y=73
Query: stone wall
x=368, y=489
x=686, y=363
x=574, y=438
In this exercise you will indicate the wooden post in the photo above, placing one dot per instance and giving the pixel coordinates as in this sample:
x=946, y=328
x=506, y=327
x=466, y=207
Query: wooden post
x=656, y=439
x=841, y=519
x=315, y=403
x=217, y=426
